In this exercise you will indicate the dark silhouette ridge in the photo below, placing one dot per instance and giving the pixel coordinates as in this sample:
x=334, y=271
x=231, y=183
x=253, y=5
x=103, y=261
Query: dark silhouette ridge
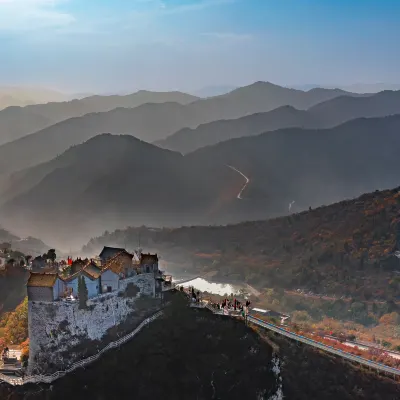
x=149, y=122
x=323, y=115
x=16, y=122
x=113, y=181
x=193, y=354
x=119, y=178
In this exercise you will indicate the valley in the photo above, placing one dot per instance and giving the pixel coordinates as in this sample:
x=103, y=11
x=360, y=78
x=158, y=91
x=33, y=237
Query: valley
x=198, y=188
x=191, y=207
x=345, y=249
x=326, y=114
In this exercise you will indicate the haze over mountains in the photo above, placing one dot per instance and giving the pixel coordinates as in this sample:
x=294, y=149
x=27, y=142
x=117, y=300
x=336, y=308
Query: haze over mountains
x=312, y=167
x=310, y=148
x=23, y=96
x=323, y=115
x=354, y=88
x=149, y=122
x=211, y=91
x=16, y=122
x=111, y=180
x=27, y=245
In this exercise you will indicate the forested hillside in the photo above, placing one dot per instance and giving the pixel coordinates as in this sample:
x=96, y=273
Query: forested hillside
x=344, y=249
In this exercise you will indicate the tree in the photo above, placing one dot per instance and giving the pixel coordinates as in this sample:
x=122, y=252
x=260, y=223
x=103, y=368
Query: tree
x=51, y=255
x=16, y=328
x=82, y=293
x=301, y=318
x=390, y=319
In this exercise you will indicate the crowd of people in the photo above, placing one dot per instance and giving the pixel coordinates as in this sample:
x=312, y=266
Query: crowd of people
x=226, y=304
x=230, y=305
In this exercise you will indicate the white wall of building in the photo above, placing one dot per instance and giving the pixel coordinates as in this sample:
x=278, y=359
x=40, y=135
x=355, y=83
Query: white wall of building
x=109, y=279
x=56, y=328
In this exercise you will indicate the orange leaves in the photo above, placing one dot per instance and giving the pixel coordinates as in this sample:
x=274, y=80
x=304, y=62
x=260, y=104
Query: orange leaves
x=16, y=326
x=25, y=348
x=390, y=319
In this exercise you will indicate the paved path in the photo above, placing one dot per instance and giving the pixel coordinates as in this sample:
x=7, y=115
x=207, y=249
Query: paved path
x=239, y=196
x=365, y=347
x=329, y=349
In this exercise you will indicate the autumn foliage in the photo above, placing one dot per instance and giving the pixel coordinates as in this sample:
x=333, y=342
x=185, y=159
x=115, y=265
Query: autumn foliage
x=345, y=248
x=14, y=326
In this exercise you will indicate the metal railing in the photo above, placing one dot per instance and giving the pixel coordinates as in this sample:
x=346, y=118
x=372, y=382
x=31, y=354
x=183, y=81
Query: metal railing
x=314, y=343
x=51, y=378
x=257, y=321
x=330, y=349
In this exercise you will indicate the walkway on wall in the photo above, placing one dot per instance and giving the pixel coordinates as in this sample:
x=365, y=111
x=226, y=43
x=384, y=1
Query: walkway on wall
x=15, y=381
x=303, y=339
x=369, y=363
x=12, y=380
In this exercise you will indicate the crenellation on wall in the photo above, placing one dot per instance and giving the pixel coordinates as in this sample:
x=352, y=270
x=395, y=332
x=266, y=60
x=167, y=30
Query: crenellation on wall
x=60, y=333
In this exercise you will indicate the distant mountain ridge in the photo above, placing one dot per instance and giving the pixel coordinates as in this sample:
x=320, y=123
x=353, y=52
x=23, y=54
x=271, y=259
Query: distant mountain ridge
x=146, y=120
x=323, y=115
x=354, y=88
x=211, y=91
x=151, y=122
x=28, y=246
x=187, y=140
x=345, y=108
x=40, y=116
x=112, y=181
x=310, y=167
x=120, y=178
x=23, y=96
x=261, y=97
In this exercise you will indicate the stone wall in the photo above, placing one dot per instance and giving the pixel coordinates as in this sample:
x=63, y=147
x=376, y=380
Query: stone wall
x=60, y=333
x=40, y=293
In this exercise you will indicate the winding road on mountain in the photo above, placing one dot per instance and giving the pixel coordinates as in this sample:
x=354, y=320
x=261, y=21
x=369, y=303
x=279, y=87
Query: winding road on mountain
x=239, y=196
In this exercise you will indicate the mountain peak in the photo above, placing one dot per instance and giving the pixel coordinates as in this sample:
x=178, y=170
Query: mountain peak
x=263, y=84
x=258, y=87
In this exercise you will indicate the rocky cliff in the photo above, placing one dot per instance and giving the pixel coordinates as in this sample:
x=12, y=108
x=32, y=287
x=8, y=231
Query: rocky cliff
x=60, y=333
x=192, y=354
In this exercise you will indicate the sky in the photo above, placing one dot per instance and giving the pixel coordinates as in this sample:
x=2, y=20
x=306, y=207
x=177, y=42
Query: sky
x=124, y=45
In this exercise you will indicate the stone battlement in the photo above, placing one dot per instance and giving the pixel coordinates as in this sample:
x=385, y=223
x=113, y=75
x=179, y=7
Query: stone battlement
x=61, y=333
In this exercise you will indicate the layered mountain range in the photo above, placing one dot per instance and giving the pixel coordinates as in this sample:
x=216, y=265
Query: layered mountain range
x=323, y=115
x=23, y=96
x=54, y=127
x=256, y=152
x=17, y=122
x=113, y=180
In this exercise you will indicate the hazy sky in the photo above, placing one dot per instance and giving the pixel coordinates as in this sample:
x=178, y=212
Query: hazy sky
x=108, y=45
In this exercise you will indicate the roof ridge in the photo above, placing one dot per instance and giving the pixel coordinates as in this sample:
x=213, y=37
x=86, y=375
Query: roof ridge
x=72, y=276
x=43, y=273
x=108, y=262
x=41, y=282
